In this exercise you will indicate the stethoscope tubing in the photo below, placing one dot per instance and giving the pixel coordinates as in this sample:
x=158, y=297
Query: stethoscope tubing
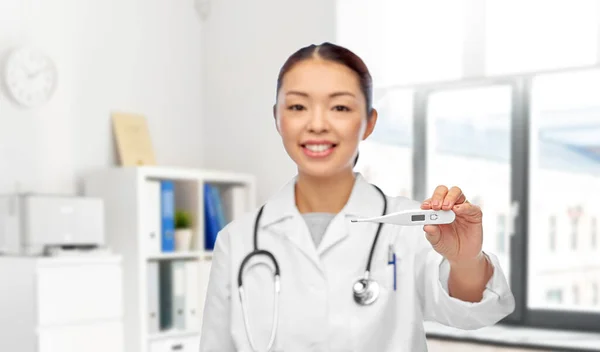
x=277, y=274
x=275, y=319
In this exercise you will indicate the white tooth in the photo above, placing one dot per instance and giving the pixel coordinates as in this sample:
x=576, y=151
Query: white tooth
x=318, y=147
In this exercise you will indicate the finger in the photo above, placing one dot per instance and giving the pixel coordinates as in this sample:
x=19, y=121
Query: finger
x=467, y=209
x=438, y=197
x=454, y=194
x=426, y=204
x=433, y=234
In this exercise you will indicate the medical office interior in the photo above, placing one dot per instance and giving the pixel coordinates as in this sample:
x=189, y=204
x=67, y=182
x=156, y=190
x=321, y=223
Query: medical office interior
x=131, y=131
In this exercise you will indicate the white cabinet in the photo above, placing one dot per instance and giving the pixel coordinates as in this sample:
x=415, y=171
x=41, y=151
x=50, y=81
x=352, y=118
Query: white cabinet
x=61, y=304
x=101, y=337
x=94, y=293
x=181, y=344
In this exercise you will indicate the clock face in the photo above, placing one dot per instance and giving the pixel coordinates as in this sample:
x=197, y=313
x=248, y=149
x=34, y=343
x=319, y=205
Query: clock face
x=30, y=77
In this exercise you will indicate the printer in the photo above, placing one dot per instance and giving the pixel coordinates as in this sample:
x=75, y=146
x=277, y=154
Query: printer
x=34, y=224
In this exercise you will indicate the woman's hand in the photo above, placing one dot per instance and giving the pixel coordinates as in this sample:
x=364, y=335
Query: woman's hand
x=461, y=241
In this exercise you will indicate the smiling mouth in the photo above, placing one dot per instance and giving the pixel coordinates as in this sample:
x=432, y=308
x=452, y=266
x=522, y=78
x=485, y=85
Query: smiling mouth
x=319, y=148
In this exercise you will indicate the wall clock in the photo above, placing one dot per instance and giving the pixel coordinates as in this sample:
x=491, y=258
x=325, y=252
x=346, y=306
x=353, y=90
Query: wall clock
x=30, y=76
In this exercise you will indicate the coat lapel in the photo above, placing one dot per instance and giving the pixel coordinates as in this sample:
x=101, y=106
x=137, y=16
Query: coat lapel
x=364, y=201
x=295, y=231
x=281, y=216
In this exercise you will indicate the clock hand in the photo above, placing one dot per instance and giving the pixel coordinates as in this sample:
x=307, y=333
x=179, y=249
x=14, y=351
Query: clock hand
x=37, y=73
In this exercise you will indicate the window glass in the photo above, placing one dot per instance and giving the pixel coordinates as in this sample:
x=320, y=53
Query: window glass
x=564, y=171
x=468, y=145
x=542, y=34
x=403, y=41
x=385, y=157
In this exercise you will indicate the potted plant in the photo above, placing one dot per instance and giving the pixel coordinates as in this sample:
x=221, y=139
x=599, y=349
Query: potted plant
x=183, y=230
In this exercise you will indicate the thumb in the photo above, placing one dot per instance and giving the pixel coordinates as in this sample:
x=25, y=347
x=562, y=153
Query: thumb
x=433, y=233
x=467, y=210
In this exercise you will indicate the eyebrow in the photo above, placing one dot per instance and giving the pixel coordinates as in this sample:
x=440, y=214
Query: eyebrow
x=332, y=95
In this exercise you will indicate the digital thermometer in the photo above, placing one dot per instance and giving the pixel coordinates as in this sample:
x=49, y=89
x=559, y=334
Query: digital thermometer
x=414, y=217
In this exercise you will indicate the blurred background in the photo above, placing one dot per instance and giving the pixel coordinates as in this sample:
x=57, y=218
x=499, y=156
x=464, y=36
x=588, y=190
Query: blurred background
x=499, y=97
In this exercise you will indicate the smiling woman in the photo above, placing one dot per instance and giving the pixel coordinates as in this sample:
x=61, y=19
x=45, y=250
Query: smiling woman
x=324, y=108
x=308, y=278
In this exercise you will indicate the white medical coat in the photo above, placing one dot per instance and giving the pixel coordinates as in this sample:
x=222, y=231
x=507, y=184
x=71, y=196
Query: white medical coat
x=317, y=310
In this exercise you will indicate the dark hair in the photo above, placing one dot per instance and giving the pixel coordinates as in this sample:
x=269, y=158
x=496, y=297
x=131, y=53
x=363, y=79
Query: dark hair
x=335, y=53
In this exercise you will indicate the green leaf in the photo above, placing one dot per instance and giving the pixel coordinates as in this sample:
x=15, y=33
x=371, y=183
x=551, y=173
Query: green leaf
x=183, y=219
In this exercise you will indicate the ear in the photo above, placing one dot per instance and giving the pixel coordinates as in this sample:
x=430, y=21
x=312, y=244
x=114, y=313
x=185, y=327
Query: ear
x=371, y=121
x=275, y=118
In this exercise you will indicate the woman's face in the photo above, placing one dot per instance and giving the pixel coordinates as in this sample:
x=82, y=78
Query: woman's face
x=321, y=117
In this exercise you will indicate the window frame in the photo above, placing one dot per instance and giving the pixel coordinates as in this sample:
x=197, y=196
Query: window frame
x=520, y=150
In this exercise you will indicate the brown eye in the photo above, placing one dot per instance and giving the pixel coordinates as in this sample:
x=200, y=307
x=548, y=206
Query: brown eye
x=296, y=107
x=341, y=108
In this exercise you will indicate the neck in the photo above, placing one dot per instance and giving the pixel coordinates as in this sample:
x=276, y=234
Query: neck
x=323, y=195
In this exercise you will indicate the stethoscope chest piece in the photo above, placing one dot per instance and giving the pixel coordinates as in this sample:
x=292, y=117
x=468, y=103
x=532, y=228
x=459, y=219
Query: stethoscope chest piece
x=365, y=291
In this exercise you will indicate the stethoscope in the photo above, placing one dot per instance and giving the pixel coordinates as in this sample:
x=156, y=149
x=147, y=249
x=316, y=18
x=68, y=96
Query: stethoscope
x=365, y=289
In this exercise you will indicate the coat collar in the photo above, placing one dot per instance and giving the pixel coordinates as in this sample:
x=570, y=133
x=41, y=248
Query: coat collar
x=282, y=216
x=364, y=201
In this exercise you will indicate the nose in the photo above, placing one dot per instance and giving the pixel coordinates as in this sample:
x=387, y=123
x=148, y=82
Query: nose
x=317, y=122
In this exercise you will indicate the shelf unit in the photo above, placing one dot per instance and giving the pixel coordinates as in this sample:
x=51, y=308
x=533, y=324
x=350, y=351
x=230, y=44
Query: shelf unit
x=125, y=194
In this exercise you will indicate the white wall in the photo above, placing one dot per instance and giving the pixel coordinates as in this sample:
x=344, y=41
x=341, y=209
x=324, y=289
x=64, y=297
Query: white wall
x=142, y=56
x=246, y=43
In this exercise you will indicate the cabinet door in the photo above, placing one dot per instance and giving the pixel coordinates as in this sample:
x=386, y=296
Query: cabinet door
x=82, y=292
x=77, y=338
x=183, y=344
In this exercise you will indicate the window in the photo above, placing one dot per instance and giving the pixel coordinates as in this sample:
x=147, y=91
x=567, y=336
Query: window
x=552, y=233
x=564, y=150
x=554, y=296
x=468, y=132
x=575, y=214
x=574, y=232
x=391, y=140
x=506, y=140
x=534, y=41
x=404, y=42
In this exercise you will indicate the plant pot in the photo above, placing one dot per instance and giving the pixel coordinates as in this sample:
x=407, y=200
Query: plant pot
x=183, y=240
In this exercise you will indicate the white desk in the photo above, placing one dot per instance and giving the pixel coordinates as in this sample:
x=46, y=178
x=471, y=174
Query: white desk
x=62, y=304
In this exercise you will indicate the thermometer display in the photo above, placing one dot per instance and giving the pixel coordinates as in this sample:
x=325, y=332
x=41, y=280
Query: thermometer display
x=419, y=217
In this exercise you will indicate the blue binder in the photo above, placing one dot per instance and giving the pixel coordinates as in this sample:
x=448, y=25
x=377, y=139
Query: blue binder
x=167, y=208
x=212, y=223
x=219, y=207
